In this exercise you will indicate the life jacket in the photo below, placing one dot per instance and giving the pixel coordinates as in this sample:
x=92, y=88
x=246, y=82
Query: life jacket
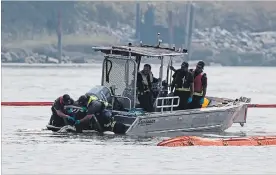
x=94, y=98
x=58, y=100
x=145, y=79
x=61, y=100
x=198, y=89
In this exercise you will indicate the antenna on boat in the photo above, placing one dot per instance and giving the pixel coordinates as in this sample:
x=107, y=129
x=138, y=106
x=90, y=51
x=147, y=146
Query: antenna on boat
x=159, y=41
x=129, y=49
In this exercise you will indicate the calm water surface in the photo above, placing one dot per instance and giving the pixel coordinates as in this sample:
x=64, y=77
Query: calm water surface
x=29, y=149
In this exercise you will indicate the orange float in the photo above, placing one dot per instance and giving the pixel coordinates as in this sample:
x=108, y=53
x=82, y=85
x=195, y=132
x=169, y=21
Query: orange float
x=198, y=141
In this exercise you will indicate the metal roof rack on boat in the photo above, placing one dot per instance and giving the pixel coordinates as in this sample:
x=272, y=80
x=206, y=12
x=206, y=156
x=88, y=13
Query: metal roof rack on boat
x=142, y=50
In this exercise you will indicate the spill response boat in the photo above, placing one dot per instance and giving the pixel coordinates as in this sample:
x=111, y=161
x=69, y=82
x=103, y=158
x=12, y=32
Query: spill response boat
x=118, y=87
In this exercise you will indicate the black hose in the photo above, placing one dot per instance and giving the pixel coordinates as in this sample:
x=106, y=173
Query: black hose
x=108, y=70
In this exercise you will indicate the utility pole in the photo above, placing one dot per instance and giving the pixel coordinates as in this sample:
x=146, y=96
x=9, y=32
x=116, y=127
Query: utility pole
x=171, y=28
x=187, y=25
x=170, y=24
x=191, y=29
x=138, y=21
x=59, y=34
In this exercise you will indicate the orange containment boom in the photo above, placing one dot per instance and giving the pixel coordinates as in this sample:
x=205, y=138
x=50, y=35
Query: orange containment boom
x=26, y=103
x=199, y=141
x=261, y=105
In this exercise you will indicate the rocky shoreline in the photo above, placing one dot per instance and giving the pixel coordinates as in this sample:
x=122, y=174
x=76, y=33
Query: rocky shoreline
x=235, y=49
x=213, y=45
x=76, y=47
x=29, y=29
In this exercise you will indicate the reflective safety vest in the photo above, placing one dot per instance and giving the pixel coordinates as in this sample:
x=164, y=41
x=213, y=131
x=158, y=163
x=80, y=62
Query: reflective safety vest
x=93, y=98
x=198, y=89
x=183, y=89
x=110, y=124
x=180, y=87
x=205, y=103
x=145, y=80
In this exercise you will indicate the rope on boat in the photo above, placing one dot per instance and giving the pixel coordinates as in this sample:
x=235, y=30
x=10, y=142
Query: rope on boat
x=198, y=141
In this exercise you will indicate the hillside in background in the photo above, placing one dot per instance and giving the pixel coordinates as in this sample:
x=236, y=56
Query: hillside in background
x=31, y=24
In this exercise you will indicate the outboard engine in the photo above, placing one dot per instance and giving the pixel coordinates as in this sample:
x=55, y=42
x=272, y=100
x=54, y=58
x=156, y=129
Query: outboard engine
x=102, y=92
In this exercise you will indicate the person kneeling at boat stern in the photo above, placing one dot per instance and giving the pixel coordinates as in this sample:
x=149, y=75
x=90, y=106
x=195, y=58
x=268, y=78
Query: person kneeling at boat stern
x=97, y=111
x=144, y=88
x=59, y=117
x=183, y=82
x=200, y=86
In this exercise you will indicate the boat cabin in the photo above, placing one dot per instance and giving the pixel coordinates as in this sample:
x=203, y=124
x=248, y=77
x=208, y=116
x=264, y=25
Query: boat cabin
x=119, y=74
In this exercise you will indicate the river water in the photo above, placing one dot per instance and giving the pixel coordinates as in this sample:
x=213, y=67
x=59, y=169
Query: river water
x=29, y=149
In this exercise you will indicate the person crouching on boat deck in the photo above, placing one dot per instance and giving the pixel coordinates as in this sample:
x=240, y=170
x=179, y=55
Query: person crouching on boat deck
x=144, y=88
x=200, y=85
x=59, y=117
x=183, y=82
x=97, y=111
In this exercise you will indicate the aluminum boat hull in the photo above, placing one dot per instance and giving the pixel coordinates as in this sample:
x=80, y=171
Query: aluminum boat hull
x=174, y=123
x=214, y=119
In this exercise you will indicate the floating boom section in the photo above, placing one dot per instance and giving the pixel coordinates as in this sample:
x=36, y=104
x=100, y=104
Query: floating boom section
x=198, y=141
x=27, y=103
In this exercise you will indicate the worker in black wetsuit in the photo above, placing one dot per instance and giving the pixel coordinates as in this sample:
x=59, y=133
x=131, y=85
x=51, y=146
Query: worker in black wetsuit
x=97, y=111
x=200, y=86
x=144, y=88
x=183, y=83
x=59, y=117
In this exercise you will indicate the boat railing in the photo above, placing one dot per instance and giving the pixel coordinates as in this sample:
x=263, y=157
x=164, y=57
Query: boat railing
x=163, y=105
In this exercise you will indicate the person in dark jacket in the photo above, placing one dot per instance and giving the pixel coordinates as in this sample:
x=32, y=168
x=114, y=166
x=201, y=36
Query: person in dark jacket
x=59, y=117
x=97, y=111
x=144, y=88
x=183, y=83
